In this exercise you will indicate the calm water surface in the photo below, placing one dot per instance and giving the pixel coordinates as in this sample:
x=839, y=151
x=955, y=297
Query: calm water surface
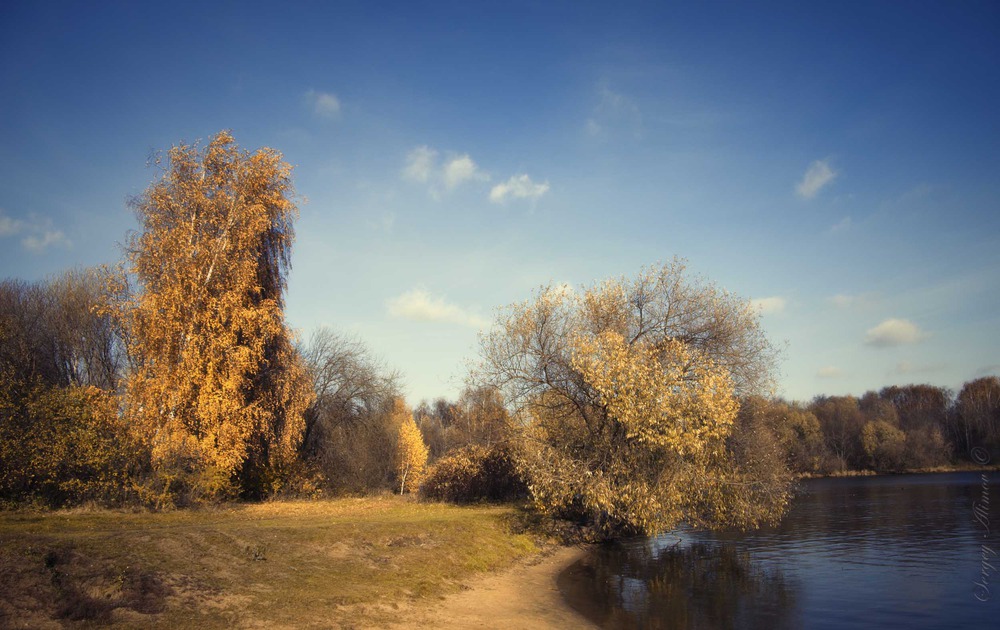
x=864, y=552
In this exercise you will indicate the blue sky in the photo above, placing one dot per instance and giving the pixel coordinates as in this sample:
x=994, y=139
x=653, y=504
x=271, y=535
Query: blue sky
x=837, y=161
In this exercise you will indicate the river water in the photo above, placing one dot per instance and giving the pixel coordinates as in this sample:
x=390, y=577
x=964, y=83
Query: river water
x=910, y=551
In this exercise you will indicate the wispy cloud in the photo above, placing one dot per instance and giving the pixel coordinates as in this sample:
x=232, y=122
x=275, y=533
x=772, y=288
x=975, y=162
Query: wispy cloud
x=420, y=164
x=37, y=233
x=614, y=115
x=830, y=372
x=770, y=305
x=323, y=104
x=424, y=167
x=861, y=300
x=41, y=241
x=9, y=226
x=383, y=223
x=518, y=187
x=841, y=226
x=843, y=301
x=817, y=176
x=894, y=332
x=419, y=305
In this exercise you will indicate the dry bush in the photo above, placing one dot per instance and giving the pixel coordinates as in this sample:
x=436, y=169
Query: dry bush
x=475, y=473
x=62, y=446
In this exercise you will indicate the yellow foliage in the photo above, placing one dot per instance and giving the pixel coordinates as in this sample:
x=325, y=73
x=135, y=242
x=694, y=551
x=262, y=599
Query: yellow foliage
x=661, y=396
x=884, y=444
x=625, y=394
x=217, y=385
x=411, y=451
x=62, y=445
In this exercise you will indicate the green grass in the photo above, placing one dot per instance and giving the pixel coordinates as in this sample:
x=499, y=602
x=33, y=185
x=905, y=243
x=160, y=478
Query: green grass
x=283, y=564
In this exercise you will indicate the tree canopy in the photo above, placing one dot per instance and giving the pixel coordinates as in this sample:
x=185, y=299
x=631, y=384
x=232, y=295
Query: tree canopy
x=217, y=388
x=626, y=397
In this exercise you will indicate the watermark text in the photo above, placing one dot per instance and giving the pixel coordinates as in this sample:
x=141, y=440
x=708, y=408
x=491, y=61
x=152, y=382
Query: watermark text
x=981, y=515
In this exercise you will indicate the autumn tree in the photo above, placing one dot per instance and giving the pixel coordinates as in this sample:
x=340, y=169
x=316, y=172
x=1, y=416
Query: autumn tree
x=478, y=417
x=482, y=419
x=61, y=439
x=411, y=452
x=922, y=411
x=884, y=445
x=218, y=390
x=56, y=331
x=795, y=429
x=977, y=415
x=438, y=422
x=626, y=398
x=348, y=436
x=841, y=420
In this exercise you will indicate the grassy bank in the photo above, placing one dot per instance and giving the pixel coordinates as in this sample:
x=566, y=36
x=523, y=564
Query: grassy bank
x=288, y=564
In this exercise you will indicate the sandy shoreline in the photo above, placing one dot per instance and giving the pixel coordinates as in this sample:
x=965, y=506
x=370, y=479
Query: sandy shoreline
x=524, y=597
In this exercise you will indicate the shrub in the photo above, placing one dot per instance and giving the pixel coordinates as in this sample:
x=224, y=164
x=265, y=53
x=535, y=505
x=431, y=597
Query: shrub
x=62, y=446
x=475, y=473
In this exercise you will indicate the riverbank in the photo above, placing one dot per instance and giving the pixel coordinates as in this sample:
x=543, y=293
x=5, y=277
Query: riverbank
x=951, y=468
x=373, y=562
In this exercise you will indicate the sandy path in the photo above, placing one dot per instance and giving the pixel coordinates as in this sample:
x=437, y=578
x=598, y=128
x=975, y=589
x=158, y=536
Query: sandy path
x=525, y=597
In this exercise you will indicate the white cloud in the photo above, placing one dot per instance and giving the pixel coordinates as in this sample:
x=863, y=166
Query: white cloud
x=9, y=226
x=419, y=305
x=420, y=163
x=38, y=232
x=769, y=305
x=518, y=187
x=461, y=169
x=817, y=176
x=37, y=243
x=830, y=372
x=894, y=332
x=323, y=104
x=423, y=166
x=842, y=226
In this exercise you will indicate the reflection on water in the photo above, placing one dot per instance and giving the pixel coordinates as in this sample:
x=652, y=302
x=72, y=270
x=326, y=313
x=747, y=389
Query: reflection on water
x=645, y=584
x=879, y=552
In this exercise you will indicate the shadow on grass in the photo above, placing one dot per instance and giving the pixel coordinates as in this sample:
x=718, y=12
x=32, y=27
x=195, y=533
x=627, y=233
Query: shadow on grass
x=83, y=591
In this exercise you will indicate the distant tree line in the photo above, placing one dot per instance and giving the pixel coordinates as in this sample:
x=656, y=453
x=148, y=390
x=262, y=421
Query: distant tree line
x=895, y=429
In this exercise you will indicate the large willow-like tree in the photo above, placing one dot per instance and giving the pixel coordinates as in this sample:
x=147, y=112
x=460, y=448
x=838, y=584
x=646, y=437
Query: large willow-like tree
x=626, y=396
x=217, y=391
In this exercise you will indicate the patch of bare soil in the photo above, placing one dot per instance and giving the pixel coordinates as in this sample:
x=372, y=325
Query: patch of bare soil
x=523, y=598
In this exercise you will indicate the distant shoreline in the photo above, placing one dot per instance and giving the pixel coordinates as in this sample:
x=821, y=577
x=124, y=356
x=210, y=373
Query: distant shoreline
x=916, y=471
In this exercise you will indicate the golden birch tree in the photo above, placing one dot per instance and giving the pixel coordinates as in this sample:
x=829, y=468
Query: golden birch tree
x=411, y=451
x=217, y=390
x=626, y=395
